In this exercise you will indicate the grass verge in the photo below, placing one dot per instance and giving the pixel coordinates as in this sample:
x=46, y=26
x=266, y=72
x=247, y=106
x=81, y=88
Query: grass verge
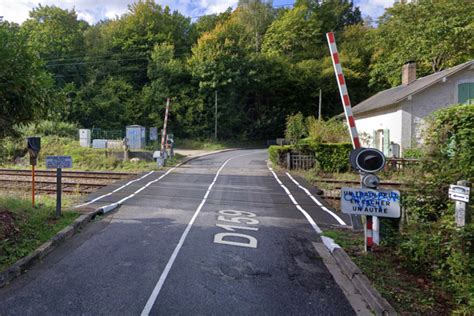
x=24, y=228
x=409, y=294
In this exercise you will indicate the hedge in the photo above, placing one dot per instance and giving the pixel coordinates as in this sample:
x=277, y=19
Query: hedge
x=329, y=157
x=277, y=154
x=333, y=157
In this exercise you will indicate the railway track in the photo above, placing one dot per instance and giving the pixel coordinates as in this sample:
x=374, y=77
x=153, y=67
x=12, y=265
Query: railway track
x=78, y=182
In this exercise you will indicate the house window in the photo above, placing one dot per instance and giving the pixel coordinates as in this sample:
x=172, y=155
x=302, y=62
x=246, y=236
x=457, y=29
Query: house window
x=466, y=93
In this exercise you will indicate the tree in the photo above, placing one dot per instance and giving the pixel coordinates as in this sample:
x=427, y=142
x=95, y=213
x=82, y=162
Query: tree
x=435, y=34
x=256, y=16
x=295, y=35
x=300, y=32
x=24, y=85
x=57, y=35
x=207, y=23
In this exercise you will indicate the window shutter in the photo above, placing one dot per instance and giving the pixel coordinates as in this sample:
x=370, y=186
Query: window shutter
x=471, y=93
x=386, y=142
x=464, y=92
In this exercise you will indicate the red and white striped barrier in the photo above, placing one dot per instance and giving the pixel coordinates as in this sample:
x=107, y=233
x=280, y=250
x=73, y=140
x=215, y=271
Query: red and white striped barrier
x=370, y=233
x=341, y=82
x=163, y=135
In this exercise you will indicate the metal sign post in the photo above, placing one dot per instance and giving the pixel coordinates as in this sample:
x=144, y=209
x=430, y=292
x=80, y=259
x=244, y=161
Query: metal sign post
x=346, y=102
x=58, y=163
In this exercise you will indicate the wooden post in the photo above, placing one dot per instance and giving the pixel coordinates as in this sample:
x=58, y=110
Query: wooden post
x=462, y=215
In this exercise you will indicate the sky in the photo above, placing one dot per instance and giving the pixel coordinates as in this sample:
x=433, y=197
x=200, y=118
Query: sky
x=93, y=11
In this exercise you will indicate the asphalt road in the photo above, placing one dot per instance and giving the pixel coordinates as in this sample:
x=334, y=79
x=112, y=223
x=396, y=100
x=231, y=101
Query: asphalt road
x=216, y=236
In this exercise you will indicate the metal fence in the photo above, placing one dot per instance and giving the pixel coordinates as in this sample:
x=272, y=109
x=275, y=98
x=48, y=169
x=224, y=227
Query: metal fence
x=298, y=161
x=98, y=133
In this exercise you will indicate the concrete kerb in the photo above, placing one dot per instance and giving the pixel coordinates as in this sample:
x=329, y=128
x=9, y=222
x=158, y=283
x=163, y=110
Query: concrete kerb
x=66, y=233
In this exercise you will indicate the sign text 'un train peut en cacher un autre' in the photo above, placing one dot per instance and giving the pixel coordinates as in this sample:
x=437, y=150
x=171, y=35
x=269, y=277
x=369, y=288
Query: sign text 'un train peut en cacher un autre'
x=361, y=201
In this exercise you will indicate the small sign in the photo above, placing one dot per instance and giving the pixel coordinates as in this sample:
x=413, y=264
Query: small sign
x=459, y=193
x=361, y=201
x=54, y=162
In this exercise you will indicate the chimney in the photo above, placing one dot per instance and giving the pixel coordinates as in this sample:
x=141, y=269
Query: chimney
x=408, y=73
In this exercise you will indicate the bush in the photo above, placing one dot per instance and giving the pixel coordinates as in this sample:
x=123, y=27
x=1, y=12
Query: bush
x=295, y=128
x=333, y=157
x=49, y=128
x=413, y=153
x=331, y=131
x=433, y=245
x=329, y=157
x=445, y=254
x=277, y=154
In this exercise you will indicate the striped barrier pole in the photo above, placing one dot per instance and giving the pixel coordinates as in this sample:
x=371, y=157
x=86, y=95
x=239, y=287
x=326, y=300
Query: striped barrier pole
x=346, y=102
x=163, y=134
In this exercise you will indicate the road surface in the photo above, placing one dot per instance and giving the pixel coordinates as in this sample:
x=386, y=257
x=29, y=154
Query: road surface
x=221, y=235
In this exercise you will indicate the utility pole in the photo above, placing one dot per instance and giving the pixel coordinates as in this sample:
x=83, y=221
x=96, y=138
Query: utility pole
x=215, y=117
x=319, y=108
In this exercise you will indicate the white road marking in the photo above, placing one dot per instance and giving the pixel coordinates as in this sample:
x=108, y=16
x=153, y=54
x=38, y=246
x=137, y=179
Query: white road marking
x=112, y=206
x=337, y=218
x=116, y=190
x=302, y=210
x=248, y=218
x=152, y=299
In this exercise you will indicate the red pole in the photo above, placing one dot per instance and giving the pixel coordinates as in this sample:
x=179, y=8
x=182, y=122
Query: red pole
x=341, y=82
x=346, y=102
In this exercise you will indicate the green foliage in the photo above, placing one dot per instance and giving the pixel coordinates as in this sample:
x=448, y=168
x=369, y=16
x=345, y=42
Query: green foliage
x=443, y=40
x=32, y=227
x=448, y=158
x=333, y=157
x=329, y=157
x=24, y=85
x=295, y=128
x=264, y=63
x=415, y=153
x=56, y=34
x=48, y=128
x=331, y=131
x=431, y=244
x=277, y=154
x=444, y=253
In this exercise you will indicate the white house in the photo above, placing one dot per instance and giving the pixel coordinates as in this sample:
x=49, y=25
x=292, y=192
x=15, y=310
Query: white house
x=392, y=120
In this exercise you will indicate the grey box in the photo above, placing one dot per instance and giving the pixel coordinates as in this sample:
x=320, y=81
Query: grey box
x=136, y=136
x=99, y=143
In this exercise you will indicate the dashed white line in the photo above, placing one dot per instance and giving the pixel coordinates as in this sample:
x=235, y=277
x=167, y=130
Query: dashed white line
x=116, y=190
x=112, y=206
x=324, y=208
x=151, y=301
x=302, y=210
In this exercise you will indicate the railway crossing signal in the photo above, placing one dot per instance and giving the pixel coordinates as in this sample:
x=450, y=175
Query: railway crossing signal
x=365, y=160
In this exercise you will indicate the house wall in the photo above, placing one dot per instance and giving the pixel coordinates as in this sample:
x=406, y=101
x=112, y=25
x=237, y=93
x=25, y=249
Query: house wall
x=390, y=119
x=407, y=120
x=423, y=104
